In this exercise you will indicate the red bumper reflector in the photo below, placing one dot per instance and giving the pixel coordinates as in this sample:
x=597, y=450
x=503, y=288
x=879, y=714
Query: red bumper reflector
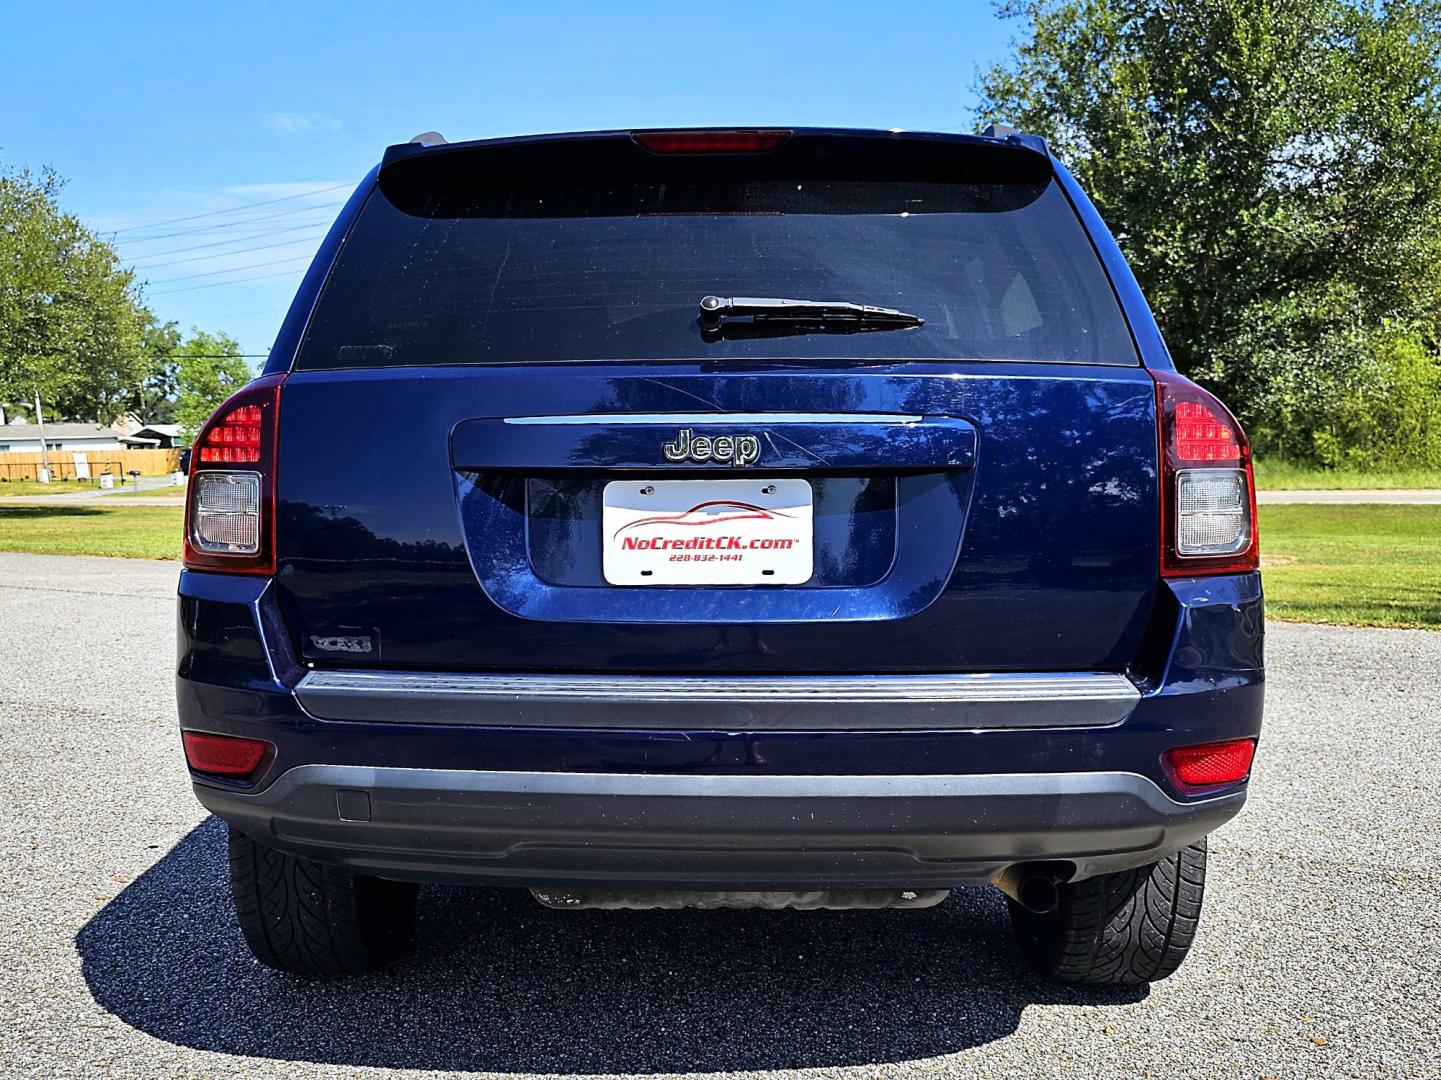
x=1195, y=768
x=223, y=755
x=710, y=142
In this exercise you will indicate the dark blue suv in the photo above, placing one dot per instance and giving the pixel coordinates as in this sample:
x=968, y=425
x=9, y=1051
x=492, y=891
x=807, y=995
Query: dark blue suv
x=770, y=518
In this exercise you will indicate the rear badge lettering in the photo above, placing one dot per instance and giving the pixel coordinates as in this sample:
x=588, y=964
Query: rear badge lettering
x=342, y=643
x=735, y=450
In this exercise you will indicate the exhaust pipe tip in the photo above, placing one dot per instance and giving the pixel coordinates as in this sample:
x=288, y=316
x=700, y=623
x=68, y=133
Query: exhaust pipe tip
x=1036, y=888
x=1039, y=895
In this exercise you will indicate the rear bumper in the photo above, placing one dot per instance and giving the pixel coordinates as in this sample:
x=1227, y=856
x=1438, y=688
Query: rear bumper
x=754, y=784
x=731, y=832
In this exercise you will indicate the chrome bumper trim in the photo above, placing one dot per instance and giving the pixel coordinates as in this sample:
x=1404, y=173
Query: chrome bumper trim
x=724, y=702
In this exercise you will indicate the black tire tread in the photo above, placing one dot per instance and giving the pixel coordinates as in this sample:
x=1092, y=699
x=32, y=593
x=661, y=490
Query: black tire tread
x=1121, y=929
x=307, y=918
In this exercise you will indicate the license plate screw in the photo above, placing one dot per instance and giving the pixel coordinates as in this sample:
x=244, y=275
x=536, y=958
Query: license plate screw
x=647, y=490
x=769, y=489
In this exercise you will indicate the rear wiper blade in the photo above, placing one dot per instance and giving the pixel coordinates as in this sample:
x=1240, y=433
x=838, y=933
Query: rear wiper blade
x=826, y=314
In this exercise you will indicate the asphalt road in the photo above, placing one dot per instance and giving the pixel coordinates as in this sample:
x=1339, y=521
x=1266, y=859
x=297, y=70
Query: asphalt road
x=1318, y=954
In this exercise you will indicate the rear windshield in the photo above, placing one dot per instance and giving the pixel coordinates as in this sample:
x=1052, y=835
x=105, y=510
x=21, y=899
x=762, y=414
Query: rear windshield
x=474, y=265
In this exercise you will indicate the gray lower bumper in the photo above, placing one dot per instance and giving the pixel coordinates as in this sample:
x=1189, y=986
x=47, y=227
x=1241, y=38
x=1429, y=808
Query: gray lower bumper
x=715, y=832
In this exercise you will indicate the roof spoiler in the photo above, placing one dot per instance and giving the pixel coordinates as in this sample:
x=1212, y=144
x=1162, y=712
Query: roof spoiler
x=430, y=141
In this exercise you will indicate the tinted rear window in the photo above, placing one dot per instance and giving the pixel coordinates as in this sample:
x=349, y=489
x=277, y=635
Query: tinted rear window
x=465, y=264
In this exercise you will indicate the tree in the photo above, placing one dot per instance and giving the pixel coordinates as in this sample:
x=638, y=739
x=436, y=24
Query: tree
x=70, y=315
x=1272, y=169
x=154, y=400
x=209, y=368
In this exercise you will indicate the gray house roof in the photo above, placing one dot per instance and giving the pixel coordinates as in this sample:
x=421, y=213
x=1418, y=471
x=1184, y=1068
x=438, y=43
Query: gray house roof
x=27, y=432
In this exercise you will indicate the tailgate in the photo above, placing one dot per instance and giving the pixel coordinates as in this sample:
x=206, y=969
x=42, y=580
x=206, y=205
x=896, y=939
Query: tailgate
x=973, y=521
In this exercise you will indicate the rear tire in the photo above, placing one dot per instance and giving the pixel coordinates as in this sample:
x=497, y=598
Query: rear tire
x=308, y=918
x=1120, y=929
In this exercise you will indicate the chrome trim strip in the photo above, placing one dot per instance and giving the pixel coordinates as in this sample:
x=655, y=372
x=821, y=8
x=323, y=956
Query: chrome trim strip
x=733, y=702
x=680, y=419
x=1082, y=686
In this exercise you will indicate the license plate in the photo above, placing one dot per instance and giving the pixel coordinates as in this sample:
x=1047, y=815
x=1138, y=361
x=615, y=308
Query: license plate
x=707, y=532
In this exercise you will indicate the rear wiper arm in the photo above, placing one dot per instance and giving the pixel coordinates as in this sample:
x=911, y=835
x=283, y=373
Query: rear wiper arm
x=826, y=314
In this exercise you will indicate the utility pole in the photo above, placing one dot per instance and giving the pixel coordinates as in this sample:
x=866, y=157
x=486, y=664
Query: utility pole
x=44, y=451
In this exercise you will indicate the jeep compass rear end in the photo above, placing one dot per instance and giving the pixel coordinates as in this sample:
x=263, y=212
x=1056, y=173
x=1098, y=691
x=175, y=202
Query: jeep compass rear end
x=801, y=518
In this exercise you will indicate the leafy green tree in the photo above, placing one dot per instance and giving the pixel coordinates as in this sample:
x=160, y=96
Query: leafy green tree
x=154, y=401
x=209, y=368
x=1272, y=169
x=1389, y=413
x=70, y=314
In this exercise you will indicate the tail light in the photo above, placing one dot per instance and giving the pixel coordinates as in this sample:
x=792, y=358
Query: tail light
x=228, y=756
x=230, y=504
x=1195, y=769
x=710, y=142
x=1208, y=494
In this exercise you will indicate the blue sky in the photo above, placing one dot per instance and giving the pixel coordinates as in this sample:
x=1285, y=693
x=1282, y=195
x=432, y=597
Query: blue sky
x=157, y=111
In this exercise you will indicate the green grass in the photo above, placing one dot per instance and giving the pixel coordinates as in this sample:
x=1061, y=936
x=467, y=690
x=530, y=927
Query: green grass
x=1353, y=565
x=131, y=532
x=35, y=487
x=75, y=487
x=1278, y=475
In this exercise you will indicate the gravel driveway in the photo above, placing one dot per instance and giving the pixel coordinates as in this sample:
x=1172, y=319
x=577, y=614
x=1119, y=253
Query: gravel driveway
x=1318, y=955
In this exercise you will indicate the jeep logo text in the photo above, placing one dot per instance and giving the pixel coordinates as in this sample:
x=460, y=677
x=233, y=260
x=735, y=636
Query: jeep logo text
x=739, y=450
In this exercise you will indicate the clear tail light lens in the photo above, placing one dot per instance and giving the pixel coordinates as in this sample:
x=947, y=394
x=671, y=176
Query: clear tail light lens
x=1208, y=494
x=230, y=505
x=1213, y=512
x=227, y=513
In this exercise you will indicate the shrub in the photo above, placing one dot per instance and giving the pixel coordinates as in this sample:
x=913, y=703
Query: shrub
x=1389, y=414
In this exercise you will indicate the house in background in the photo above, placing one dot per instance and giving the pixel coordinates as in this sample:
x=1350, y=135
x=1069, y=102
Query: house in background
x=154, y=437
x=125, y=434
x=25, y=438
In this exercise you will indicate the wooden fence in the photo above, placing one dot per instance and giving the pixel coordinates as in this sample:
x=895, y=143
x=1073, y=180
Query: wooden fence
x=17, y=465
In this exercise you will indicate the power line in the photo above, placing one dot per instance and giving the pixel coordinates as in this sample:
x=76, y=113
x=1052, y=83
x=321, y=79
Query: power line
x=232, y=269
x=217, y=284
x=202, y=230
x=230, y=210
x=223, y=254
x=276, y=312
x=193, y=230
x=237, y=240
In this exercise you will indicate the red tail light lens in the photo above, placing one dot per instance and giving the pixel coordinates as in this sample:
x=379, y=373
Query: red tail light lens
x=230, y=502
x=1208, y=493
x=710, y=142
x=1200, y=435
x=235, y=440
x=224, y=755
x=1199, y=768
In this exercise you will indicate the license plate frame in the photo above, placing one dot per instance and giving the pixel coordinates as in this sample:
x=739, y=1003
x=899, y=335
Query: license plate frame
x=708, y=532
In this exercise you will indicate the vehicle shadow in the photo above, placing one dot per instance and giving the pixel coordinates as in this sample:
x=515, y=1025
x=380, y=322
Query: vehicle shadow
x=500, y=984
x=31, y=511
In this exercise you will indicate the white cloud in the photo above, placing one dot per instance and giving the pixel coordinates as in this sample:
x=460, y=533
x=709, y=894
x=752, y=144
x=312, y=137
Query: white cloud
x=299, y=123
x=320, y=190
